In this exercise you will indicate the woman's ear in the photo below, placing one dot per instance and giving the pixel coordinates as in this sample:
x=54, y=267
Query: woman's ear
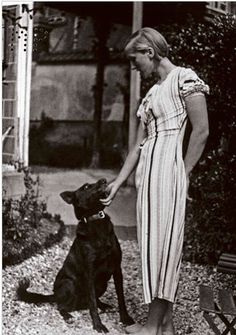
x=151, y=52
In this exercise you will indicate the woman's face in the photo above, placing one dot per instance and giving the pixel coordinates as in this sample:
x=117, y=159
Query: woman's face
x=140, y=61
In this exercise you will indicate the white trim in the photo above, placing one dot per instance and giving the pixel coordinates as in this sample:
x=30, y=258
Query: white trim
x=24, y=61
x=21, y=82
x=28, y=89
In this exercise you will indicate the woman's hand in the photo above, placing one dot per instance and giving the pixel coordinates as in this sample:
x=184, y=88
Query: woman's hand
x=112, y=189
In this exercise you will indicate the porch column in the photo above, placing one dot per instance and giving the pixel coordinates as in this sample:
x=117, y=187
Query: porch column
x=24, y=62
x=16, y=99
x=134, y=84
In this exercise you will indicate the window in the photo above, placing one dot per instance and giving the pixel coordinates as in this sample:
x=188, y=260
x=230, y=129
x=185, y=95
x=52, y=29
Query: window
x=219, y=6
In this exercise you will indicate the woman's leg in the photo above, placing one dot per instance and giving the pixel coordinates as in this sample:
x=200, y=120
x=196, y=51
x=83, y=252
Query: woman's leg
x=167, y=324
x=157, y=310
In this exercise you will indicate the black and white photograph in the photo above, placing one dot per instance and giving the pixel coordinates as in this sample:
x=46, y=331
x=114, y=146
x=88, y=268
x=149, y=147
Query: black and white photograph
x=118, y=167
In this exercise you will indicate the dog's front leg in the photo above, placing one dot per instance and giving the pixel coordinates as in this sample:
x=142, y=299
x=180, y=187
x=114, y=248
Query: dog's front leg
x=93, y=308
x=118, y=280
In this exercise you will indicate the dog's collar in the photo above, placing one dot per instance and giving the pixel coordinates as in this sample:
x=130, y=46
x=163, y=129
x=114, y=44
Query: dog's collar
x=100, y=215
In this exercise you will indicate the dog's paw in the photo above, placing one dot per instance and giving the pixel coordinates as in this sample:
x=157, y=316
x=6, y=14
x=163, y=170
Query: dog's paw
x=24, y=283
x=103, y=307
x=68, y=318
x=127, y=320
x=100, y=328
x=22, y=287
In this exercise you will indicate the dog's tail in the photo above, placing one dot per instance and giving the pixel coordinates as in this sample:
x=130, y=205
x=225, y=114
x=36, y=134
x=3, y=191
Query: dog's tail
x=31, y=297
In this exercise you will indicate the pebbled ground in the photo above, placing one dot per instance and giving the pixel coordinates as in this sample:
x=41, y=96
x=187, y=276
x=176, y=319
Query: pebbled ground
x=21, y=318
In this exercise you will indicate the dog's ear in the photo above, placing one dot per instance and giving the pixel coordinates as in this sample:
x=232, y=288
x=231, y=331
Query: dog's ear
x=67, y=196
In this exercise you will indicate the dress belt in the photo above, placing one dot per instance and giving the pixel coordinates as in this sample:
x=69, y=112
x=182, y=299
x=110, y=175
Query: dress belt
x=159, y=134
x=163, y=133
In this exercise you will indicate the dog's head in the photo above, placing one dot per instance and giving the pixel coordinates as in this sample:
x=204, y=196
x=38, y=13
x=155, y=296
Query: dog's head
x=86, y=199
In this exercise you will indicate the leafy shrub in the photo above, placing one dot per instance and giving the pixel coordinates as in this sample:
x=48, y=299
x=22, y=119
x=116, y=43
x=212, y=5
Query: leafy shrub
x=210, y=223
x=27, y=226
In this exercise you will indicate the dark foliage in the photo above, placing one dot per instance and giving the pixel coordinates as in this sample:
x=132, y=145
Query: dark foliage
x=210, y=222
x=27, y=226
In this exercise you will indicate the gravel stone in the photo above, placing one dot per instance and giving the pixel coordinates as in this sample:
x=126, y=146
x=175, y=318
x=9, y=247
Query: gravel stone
x=20, y=318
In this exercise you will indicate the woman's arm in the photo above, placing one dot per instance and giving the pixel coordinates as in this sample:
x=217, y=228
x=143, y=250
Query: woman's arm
x=132, y=158
x=128, y=167
x=197, y=113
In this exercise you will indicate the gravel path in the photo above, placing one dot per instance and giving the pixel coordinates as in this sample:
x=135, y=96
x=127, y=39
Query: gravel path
x=21, y=318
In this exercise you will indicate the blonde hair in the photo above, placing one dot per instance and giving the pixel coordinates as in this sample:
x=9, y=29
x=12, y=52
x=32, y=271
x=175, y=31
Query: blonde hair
x=144, y=38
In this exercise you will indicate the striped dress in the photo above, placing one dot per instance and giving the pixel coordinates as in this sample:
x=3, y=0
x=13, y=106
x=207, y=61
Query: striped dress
x=161, y=182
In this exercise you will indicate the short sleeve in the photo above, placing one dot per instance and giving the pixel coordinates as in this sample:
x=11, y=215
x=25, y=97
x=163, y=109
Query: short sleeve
x=191, y=84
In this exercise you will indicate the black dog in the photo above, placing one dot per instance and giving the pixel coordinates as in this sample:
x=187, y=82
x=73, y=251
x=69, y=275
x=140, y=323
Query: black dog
x=93, y=258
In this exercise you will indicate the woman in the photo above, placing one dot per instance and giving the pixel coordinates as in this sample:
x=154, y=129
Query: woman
x=162, y=176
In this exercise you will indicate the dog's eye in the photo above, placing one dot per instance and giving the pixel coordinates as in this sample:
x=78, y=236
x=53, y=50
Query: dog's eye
x=86, y=186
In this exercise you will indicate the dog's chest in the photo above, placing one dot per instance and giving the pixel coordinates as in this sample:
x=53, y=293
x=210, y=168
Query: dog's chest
x=105, y=251
x=98, y=243
x=105, y=260
x=104, y=248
